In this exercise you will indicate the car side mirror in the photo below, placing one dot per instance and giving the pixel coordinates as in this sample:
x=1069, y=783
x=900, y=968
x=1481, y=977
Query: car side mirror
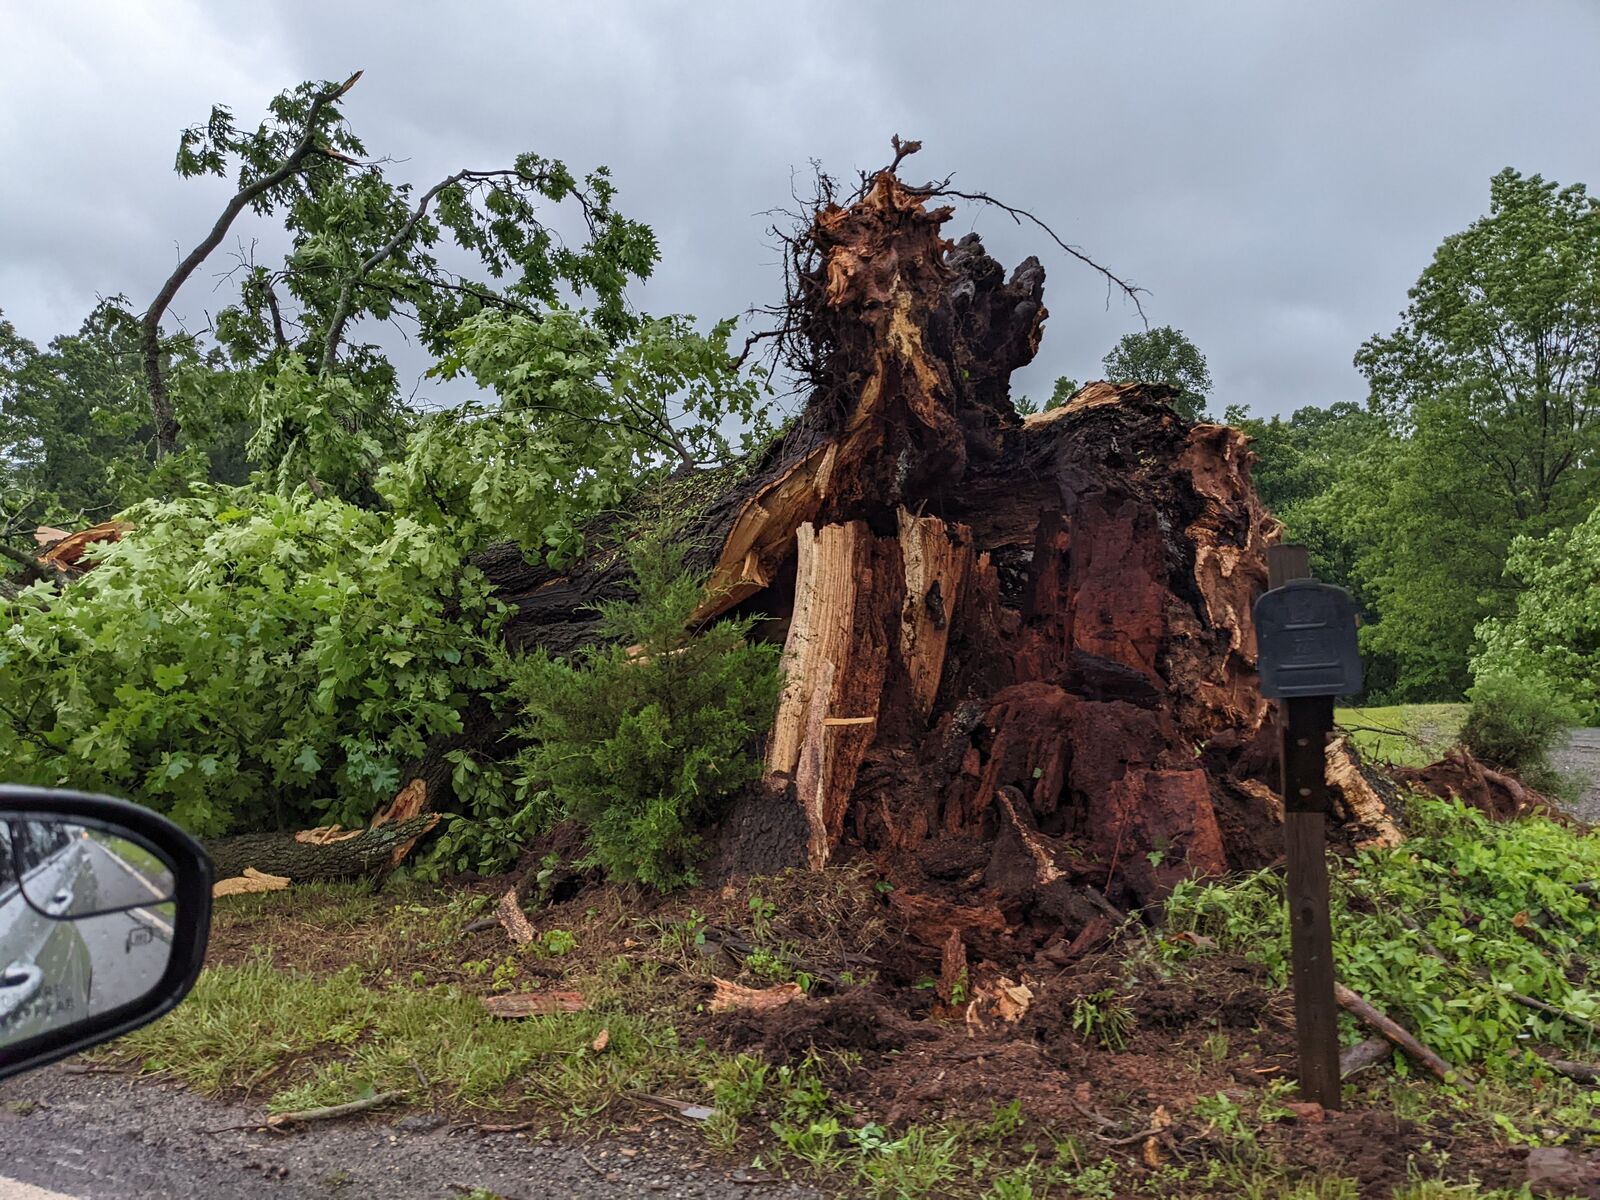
x=105, y=908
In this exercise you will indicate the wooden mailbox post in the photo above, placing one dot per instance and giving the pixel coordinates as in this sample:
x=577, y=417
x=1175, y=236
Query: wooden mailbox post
x=1306, y=643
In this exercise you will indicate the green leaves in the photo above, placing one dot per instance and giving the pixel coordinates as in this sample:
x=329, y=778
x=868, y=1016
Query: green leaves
x=645, y=741
x=1495, y=898
x=1553, y=634
x=1161, y=355
x=581, y=423
x=1492, y=380
x=241, y=661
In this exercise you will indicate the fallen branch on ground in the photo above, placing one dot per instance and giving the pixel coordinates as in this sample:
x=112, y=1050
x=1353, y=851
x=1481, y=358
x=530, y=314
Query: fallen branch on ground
x=1363, y=1055
x=1380, y=1023
x=332, y=1112
x=1582, y=1072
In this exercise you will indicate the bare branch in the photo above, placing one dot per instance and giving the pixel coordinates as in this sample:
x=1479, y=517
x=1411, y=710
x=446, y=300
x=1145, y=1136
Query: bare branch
x=1019, y=215
x=165, y=416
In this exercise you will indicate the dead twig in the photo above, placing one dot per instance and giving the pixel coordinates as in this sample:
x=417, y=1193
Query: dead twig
x=514, y=1127
x=1130, y=1139
x=333, y=1112
x=1099, y=1119
x=1129, y=290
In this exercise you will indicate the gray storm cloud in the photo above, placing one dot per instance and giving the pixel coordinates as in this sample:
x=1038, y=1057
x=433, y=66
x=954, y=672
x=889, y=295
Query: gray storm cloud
x=1275, y=174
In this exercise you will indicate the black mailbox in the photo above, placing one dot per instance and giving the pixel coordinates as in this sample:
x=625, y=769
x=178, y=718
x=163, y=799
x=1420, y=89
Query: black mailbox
x=1306, y=641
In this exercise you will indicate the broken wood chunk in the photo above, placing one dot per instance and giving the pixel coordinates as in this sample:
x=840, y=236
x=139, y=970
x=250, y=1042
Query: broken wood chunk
x=515, y=1005
x=512, y=919
x=249, y=881
x=730, y=997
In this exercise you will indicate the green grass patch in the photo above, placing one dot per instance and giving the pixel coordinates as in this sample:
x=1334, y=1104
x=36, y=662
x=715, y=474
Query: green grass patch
x=325, y=1041
x=1411, y=735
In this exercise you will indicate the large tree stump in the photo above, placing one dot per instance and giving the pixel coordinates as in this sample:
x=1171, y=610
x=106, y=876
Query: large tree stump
x=1020, y=667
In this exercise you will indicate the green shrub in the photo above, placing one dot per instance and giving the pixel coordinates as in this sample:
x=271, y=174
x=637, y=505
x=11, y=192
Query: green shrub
x=645, y=738
x=1515, y=722
x=246, y=661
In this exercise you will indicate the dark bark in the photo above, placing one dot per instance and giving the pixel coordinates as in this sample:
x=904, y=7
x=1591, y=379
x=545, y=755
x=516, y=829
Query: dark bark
x=368, y=853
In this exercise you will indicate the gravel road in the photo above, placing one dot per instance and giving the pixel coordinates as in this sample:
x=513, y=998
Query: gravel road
x=108, y=1137
x=1581, y=757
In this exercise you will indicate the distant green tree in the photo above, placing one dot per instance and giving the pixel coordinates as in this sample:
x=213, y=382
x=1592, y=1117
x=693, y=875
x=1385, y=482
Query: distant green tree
x=1492, y=384
x=74, y=426
x=1553, y=634
x=1060, y=393
x=1163, y=355
x=1321, y=472
x=1063, y=390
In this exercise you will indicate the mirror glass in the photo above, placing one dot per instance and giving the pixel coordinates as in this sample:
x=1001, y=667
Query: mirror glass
x=69, y=870
x=86, y=919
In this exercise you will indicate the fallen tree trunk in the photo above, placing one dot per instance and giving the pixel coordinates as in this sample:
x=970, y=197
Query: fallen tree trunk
x=364, y=852
x=1019, y=655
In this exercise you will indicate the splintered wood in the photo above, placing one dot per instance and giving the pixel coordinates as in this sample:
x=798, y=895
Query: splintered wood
x=834, y=665
x=250, y=881
x=512, y=919
x=517, y=1005
x=936, y=559
x=729, y=997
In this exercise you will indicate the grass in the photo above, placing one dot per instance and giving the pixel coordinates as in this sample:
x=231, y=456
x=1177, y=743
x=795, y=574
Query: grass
x=1410, y=735
x=324, y=1041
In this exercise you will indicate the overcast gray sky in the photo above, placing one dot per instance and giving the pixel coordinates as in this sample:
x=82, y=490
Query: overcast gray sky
x=1276, y=174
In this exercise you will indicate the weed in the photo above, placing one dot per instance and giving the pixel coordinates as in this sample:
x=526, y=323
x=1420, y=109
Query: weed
x=761, y=914
x=1105, y=1017
x=553, y=943
x=1215, y=1047
x=1223, y=1115
x=1271, y=1185
x=1006, y=1121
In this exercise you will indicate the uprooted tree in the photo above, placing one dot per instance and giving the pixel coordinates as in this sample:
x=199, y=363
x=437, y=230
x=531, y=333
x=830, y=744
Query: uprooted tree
x=1019, y=661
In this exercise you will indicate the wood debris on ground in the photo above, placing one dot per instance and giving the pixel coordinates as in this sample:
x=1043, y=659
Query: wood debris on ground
x=512, y=919
x=730, y=997
x=515, y=1005
x=249, y=881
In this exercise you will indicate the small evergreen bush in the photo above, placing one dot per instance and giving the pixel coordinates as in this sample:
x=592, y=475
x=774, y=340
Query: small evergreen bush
x=645, y=737
x=1514, y=722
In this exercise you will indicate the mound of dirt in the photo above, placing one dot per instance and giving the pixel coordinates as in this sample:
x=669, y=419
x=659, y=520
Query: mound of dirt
x=859, y=1020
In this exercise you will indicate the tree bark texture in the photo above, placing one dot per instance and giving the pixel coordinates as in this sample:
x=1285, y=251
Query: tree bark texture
x=365, y=852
